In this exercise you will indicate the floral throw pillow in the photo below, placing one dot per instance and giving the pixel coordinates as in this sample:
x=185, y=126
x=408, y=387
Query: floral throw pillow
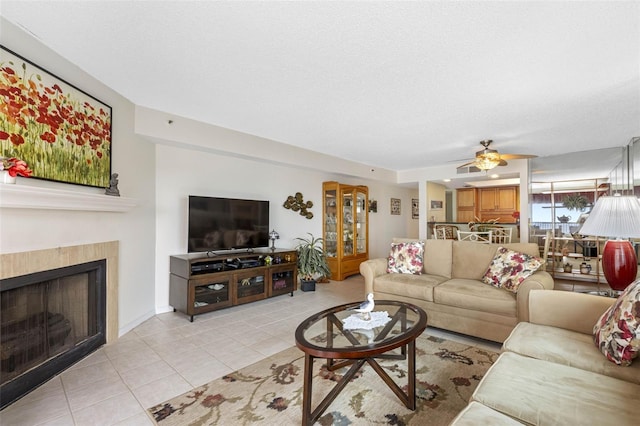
x=617, y=332
x=509, y=268
x=406, y=258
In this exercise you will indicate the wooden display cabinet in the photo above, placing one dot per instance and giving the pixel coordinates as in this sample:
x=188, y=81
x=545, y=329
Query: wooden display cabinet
x=345, y=227
x=200, y=284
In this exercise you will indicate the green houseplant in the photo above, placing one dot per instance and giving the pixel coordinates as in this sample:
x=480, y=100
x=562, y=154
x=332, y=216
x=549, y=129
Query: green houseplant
x=575, y=202
x=312, y=262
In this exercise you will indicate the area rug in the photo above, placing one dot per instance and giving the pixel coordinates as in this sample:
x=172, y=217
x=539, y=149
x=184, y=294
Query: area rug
x=269, y=392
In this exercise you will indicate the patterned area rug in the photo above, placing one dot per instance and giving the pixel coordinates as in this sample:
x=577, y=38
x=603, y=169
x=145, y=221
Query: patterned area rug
x=269, y=392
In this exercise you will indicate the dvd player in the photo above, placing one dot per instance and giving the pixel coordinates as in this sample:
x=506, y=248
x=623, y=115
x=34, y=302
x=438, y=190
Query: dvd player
x=198, y=268
x=248, y=263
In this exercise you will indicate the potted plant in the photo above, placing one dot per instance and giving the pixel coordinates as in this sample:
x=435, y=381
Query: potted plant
x=312, y=262
x=575, y=202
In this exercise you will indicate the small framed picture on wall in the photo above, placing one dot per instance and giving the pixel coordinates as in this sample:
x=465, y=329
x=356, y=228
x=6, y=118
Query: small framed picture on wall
x=395, y=206
x=415, y=208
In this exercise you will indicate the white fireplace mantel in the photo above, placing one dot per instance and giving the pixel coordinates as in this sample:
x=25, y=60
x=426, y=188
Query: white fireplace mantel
x=33, y=197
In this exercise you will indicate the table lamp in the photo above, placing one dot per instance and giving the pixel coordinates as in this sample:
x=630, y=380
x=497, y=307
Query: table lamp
x=616, y=216
x=273, y=236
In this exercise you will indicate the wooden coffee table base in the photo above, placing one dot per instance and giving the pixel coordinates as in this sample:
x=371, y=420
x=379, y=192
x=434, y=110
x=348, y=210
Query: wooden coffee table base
x=309, y=417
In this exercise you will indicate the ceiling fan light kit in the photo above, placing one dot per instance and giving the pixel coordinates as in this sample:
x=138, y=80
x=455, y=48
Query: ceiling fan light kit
x=488, y=159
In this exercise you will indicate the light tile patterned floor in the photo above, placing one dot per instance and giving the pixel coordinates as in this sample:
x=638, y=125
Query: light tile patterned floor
x=167, y=356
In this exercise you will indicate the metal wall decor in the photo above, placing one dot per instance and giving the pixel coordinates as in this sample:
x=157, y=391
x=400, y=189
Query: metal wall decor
x=297, y=204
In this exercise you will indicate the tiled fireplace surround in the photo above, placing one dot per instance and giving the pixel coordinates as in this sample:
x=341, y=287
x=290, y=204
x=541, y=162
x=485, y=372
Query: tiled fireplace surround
x=17, y=264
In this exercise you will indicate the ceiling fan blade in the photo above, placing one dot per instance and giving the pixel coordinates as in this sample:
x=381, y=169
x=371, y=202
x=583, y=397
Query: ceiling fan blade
x=502, y=162
x=471, y=163
x=516, y=156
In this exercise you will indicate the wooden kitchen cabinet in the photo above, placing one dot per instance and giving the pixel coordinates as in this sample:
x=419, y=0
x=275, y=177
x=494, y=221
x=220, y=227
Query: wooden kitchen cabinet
x=498, y=203
x=466, y=204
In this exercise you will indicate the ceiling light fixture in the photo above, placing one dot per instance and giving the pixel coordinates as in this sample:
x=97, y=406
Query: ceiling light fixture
x=487, y=160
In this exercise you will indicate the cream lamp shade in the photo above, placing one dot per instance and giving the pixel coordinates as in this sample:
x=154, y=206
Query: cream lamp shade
x=616, y=216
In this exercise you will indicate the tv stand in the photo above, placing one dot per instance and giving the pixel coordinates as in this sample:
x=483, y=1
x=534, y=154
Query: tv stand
x=200, y=283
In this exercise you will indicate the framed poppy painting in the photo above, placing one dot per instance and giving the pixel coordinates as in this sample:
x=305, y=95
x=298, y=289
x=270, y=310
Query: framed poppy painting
x=61, y=132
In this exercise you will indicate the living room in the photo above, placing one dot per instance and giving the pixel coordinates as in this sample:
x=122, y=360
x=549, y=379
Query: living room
x=162, y=157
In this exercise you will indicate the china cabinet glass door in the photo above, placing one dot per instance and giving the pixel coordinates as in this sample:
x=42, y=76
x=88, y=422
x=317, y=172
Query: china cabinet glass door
x=348, y=233
x=330, y=223
x=361, y=222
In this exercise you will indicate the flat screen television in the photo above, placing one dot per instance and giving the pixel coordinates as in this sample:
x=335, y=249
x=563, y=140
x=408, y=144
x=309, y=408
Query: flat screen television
x=227, y=224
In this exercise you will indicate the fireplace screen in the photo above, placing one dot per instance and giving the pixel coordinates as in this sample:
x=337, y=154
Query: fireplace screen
x=49, y=320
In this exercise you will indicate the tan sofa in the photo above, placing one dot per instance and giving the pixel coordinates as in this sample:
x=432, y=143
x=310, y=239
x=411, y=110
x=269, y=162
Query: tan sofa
x=551, y=372
x=450, y=288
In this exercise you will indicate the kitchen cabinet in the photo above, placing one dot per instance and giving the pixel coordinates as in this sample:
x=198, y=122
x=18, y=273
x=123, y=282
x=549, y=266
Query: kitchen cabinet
x=466, y=204
x=498, y=203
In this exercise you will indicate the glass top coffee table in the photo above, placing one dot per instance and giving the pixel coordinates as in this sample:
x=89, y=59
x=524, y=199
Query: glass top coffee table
x=323, y=336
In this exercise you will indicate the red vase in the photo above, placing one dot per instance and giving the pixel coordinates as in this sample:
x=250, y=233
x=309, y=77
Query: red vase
x=619, y=263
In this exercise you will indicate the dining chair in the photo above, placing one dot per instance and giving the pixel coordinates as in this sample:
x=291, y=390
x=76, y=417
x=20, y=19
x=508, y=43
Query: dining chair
x=500, y=234
x=445, y=232
x=475, y=236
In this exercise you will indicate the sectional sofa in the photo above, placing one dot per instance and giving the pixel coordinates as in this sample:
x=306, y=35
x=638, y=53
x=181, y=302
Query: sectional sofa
x=450, y=290
x=552, y=373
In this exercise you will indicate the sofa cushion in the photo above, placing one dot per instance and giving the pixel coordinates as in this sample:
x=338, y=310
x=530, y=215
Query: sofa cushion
x=566, y=347
x=545, y=393
x=414, y=286
x=406, y=258
x=474, y=295
x=437, y=257
x=475, y=414
x=617, y=332
x=509, y=268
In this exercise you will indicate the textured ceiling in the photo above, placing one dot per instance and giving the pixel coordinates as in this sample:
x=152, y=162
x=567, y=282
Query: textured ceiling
x=399, y=85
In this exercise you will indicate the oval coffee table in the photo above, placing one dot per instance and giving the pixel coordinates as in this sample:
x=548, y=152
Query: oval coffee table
x=322, y=336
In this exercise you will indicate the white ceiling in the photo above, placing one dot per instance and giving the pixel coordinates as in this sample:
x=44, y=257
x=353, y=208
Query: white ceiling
x=399, y=85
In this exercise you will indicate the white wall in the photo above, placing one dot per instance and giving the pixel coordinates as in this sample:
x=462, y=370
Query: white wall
x=28, y=229
x=182, y=172
x=160, y=175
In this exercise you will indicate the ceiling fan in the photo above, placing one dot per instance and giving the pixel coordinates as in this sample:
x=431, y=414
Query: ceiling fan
x=488, y=158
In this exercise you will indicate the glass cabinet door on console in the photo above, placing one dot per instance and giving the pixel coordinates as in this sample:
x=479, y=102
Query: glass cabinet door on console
x=250, y=286
x=345, y=228
x=211, y=292
x=283, y=280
